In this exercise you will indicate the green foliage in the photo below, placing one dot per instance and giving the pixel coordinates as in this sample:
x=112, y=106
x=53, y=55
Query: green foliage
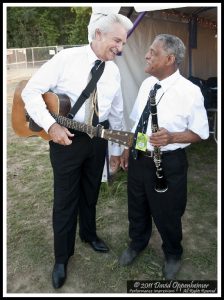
x=46, y=26
x=79, y=32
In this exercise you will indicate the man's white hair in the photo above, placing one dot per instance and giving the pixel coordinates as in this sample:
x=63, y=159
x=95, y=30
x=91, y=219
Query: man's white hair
x=104, y=22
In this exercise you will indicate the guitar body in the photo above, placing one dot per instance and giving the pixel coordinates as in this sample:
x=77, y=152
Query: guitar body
x=22, y=124
x=59, y=105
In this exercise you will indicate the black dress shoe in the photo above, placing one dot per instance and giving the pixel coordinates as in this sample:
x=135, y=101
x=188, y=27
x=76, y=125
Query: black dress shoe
x=97, y=245
x=171, y=267
x=59, y=275
x=127, y=256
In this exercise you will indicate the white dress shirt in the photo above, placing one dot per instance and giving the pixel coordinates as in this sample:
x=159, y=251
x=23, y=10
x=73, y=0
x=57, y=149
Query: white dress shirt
x=67, y=73
x=180, y=106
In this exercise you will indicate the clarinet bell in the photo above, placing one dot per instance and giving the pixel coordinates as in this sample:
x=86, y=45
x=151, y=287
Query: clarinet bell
x=161, y=185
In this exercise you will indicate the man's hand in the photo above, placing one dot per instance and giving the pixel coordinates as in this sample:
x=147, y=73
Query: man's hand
x=114, y=163
x=124, y=159
x=160, y=138
x=60, y=134
x=163, y=137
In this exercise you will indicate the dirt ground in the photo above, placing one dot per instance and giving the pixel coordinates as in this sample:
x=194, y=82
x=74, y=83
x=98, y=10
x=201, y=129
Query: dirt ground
x=27, y=284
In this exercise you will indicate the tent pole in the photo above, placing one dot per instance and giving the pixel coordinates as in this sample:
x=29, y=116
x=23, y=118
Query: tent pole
x=137, y=21
x=190, y=62
x=192, y=29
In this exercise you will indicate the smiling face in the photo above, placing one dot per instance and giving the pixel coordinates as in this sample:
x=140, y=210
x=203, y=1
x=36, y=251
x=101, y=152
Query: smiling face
x=107, y=45
x=159, y=63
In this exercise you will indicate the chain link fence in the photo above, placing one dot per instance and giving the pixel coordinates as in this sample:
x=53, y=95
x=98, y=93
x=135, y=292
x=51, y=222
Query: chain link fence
x=34, y=57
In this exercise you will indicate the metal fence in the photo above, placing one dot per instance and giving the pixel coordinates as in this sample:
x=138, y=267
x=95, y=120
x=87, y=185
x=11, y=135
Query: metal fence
x=32, y=57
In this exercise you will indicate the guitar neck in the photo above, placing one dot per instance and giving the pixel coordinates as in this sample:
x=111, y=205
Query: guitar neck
x=121, y=137
x=69, y=123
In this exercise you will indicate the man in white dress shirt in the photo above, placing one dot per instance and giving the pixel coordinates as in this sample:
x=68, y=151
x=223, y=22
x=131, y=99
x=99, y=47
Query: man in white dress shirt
x=181, y=120
x=77, y=159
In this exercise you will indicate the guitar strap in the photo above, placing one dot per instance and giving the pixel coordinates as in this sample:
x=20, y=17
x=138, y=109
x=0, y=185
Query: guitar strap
x=96, y=73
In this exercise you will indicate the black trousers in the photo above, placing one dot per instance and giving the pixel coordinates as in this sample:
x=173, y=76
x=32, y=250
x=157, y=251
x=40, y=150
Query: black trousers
x=77, y=171
x=165, y=209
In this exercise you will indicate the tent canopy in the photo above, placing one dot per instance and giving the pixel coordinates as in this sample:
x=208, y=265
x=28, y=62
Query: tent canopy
x=195, y=25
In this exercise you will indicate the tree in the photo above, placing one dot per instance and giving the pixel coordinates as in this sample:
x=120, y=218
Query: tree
x=21, y=27
x=79, y=32
x=46, y=26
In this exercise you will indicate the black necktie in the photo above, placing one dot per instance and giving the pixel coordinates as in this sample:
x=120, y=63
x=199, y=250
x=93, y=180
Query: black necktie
x=96, y=72
x=143, y=121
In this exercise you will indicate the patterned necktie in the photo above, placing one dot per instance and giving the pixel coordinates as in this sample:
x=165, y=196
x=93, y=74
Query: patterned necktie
x=92, y=114
x=143, y=121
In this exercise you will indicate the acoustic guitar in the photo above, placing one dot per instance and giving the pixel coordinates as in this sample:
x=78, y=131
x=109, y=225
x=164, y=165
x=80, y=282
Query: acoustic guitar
x=59, y=106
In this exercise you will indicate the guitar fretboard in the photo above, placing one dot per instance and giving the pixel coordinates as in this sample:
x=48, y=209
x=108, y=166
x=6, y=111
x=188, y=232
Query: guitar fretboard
x=69, y=123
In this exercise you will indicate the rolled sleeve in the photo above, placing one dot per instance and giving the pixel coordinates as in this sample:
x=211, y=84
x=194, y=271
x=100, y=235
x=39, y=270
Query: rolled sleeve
x=198, y=120
x=37, y=110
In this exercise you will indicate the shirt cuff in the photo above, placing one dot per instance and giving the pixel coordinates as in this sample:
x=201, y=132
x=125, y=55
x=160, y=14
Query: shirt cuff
x=116, y=149
x=48, y=121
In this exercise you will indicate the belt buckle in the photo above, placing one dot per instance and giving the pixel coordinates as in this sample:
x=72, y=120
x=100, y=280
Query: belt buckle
x=149, y=153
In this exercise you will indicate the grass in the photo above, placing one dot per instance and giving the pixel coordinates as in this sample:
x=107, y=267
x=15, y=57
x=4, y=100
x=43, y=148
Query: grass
x=29, y=225
x=29, y=229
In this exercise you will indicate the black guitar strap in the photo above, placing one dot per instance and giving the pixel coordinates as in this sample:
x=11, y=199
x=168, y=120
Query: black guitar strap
x=96, y=72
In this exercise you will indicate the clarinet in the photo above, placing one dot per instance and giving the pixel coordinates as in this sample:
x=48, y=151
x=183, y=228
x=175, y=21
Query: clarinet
x=161, y=184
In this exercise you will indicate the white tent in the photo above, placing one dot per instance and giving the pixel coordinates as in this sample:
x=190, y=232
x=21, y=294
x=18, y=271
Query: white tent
x=153, y=19
x=173, y=18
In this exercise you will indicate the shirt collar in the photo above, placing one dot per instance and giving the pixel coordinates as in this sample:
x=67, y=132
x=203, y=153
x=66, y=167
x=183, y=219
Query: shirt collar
x=167, y=82
x=91, y=55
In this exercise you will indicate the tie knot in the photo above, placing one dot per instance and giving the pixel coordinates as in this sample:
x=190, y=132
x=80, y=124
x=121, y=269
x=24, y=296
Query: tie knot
x=154, y=90
x=156, y=87
x=98, y=66
x=97, y=62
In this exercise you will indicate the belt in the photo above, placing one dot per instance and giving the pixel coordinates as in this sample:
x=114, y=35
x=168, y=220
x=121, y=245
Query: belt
x=148, y=153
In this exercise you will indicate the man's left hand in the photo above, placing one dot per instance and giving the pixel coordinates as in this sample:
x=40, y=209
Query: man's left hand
x=160, y=138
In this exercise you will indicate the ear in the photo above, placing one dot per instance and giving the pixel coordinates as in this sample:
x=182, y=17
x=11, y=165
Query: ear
x=98, y=34
x=171, y=59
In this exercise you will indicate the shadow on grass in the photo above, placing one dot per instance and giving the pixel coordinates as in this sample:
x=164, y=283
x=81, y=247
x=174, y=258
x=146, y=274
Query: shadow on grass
x=29, y=228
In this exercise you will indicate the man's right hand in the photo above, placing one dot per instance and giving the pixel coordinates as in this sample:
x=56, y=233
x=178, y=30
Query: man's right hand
x=60, y=134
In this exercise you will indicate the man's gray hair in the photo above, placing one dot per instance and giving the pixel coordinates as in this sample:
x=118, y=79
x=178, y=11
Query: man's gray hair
x=104, y=23
x=172, y=45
